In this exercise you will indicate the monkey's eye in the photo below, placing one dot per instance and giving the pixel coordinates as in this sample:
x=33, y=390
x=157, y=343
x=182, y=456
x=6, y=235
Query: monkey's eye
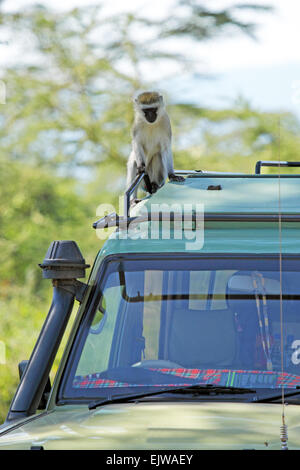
x=150, y=114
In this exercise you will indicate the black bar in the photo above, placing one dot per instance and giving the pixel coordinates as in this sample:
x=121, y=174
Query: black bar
x=252, y=217
x=34, y=380
x=261, y=163
x=167, y=297
x=210, y=217
x=130, y=190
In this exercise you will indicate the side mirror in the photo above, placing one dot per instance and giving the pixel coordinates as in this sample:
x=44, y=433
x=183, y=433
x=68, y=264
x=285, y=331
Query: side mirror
x=42, y=405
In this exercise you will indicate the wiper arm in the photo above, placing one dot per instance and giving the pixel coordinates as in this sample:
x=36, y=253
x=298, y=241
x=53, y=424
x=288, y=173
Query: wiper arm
x=190, y=389
x=276, y=397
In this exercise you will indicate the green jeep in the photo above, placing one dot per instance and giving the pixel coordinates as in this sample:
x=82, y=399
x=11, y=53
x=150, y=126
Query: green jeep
x=188, y=331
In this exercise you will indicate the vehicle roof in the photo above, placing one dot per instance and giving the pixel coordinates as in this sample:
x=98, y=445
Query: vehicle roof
x=239, y=194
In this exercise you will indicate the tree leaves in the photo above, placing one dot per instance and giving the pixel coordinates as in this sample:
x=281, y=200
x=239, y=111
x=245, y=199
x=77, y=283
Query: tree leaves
x=71, y=95
x=202, y=23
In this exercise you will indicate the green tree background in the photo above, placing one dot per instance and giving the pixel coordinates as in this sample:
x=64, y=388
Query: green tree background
x=65, y=136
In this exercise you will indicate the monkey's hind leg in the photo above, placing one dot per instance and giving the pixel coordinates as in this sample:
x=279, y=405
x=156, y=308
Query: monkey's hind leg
x=156, y=172
x=154, y=188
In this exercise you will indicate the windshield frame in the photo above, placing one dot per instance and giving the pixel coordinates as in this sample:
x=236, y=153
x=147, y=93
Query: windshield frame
x=289, y=263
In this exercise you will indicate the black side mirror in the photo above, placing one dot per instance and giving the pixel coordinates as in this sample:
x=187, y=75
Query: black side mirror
x=42, y=405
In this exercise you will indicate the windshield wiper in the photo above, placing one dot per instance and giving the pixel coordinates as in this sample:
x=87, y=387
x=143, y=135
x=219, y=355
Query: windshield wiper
x=276, y=397
x=190, y=389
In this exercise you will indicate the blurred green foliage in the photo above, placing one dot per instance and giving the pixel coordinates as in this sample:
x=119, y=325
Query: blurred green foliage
x=65, y=138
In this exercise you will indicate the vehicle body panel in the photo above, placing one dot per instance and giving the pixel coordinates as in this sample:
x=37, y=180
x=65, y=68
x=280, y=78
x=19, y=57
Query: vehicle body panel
x=185, y=425
x=166, y=425
x=239, y=194
x=247, y=193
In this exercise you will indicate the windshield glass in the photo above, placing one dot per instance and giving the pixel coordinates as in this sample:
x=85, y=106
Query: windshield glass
x=172, y=322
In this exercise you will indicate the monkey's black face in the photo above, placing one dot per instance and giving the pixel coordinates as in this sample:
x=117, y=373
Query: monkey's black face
x=150, y=114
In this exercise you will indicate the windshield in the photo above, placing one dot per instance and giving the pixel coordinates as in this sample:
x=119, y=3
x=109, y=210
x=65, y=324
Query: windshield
x=177, y=322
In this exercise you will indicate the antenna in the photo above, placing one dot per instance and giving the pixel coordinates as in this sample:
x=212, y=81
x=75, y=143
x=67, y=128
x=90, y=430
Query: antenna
x=283, y=427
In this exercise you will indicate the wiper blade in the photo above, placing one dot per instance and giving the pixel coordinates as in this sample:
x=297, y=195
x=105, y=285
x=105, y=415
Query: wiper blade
x=276, y=397
x=190, y=389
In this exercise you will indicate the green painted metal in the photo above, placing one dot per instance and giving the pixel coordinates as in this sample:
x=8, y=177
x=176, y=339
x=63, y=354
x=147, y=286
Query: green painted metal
x=165, y=425
x=239, y=194
x=219, y=237
x=202, y=425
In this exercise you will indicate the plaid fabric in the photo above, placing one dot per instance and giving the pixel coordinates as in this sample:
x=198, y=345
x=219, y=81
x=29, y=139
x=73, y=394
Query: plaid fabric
x=208, y=375
x=94, y=381
x=224, y=377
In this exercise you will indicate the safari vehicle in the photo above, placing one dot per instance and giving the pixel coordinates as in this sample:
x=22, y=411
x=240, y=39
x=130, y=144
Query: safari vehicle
x=188, y=331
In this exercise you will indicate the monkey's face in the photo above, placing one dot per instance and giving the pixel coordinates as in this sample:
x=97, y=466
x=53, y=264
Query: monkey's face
x=149, y=106
x=150, y=114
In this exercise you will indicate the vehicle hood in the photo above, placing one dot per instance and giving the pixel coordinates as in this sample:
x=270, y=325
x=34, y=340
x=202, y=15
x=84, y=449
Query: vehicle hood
x=209, y=426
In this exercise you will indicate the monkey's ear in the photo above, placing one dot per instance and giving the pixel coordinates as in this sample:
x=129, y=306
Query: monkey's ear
x=135, y=97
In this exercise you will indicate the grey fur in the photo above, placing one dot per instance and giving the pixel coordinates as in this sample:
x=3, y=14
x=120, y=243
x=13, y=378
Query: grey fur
x=151, y=145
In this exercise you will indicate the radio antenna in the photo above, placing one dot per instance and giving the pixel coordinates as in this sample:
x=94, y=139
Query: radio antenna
x=283, y=427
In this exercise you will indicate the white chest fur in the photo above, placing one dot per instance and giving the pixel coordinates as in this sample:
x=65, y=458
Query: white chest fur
x=151, y=144
x=153, y=139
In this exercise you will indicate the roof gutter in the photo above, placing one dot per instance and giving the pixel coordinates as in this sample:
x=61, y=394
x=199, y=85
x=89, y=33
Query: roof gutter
x=114, y=220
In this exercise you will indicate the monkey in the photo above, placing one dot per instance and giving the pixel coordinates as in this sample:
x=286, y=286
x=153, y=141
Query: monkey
x=151, y=142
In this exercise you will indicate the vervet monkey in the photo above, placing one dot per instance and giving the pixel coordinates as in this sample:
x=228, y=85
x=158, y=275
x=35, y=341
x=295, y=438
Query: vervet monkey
x=151, y=142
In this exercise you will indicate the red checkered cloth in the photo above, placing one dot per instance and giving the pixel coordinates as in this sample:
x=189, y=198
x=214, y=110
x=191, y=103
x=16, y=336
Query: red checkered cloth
x=223, y=377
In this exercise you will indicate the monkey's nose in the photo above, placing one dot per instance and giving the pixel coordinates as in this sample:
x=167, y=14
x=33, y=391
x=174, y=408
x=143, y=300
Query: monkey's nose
x=150, y=115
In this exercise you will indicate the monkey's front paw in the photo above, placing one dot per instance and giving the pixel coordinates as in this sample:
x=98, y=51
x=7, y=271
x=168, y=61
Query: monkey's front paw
x=141, y=169
x=173, y=177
